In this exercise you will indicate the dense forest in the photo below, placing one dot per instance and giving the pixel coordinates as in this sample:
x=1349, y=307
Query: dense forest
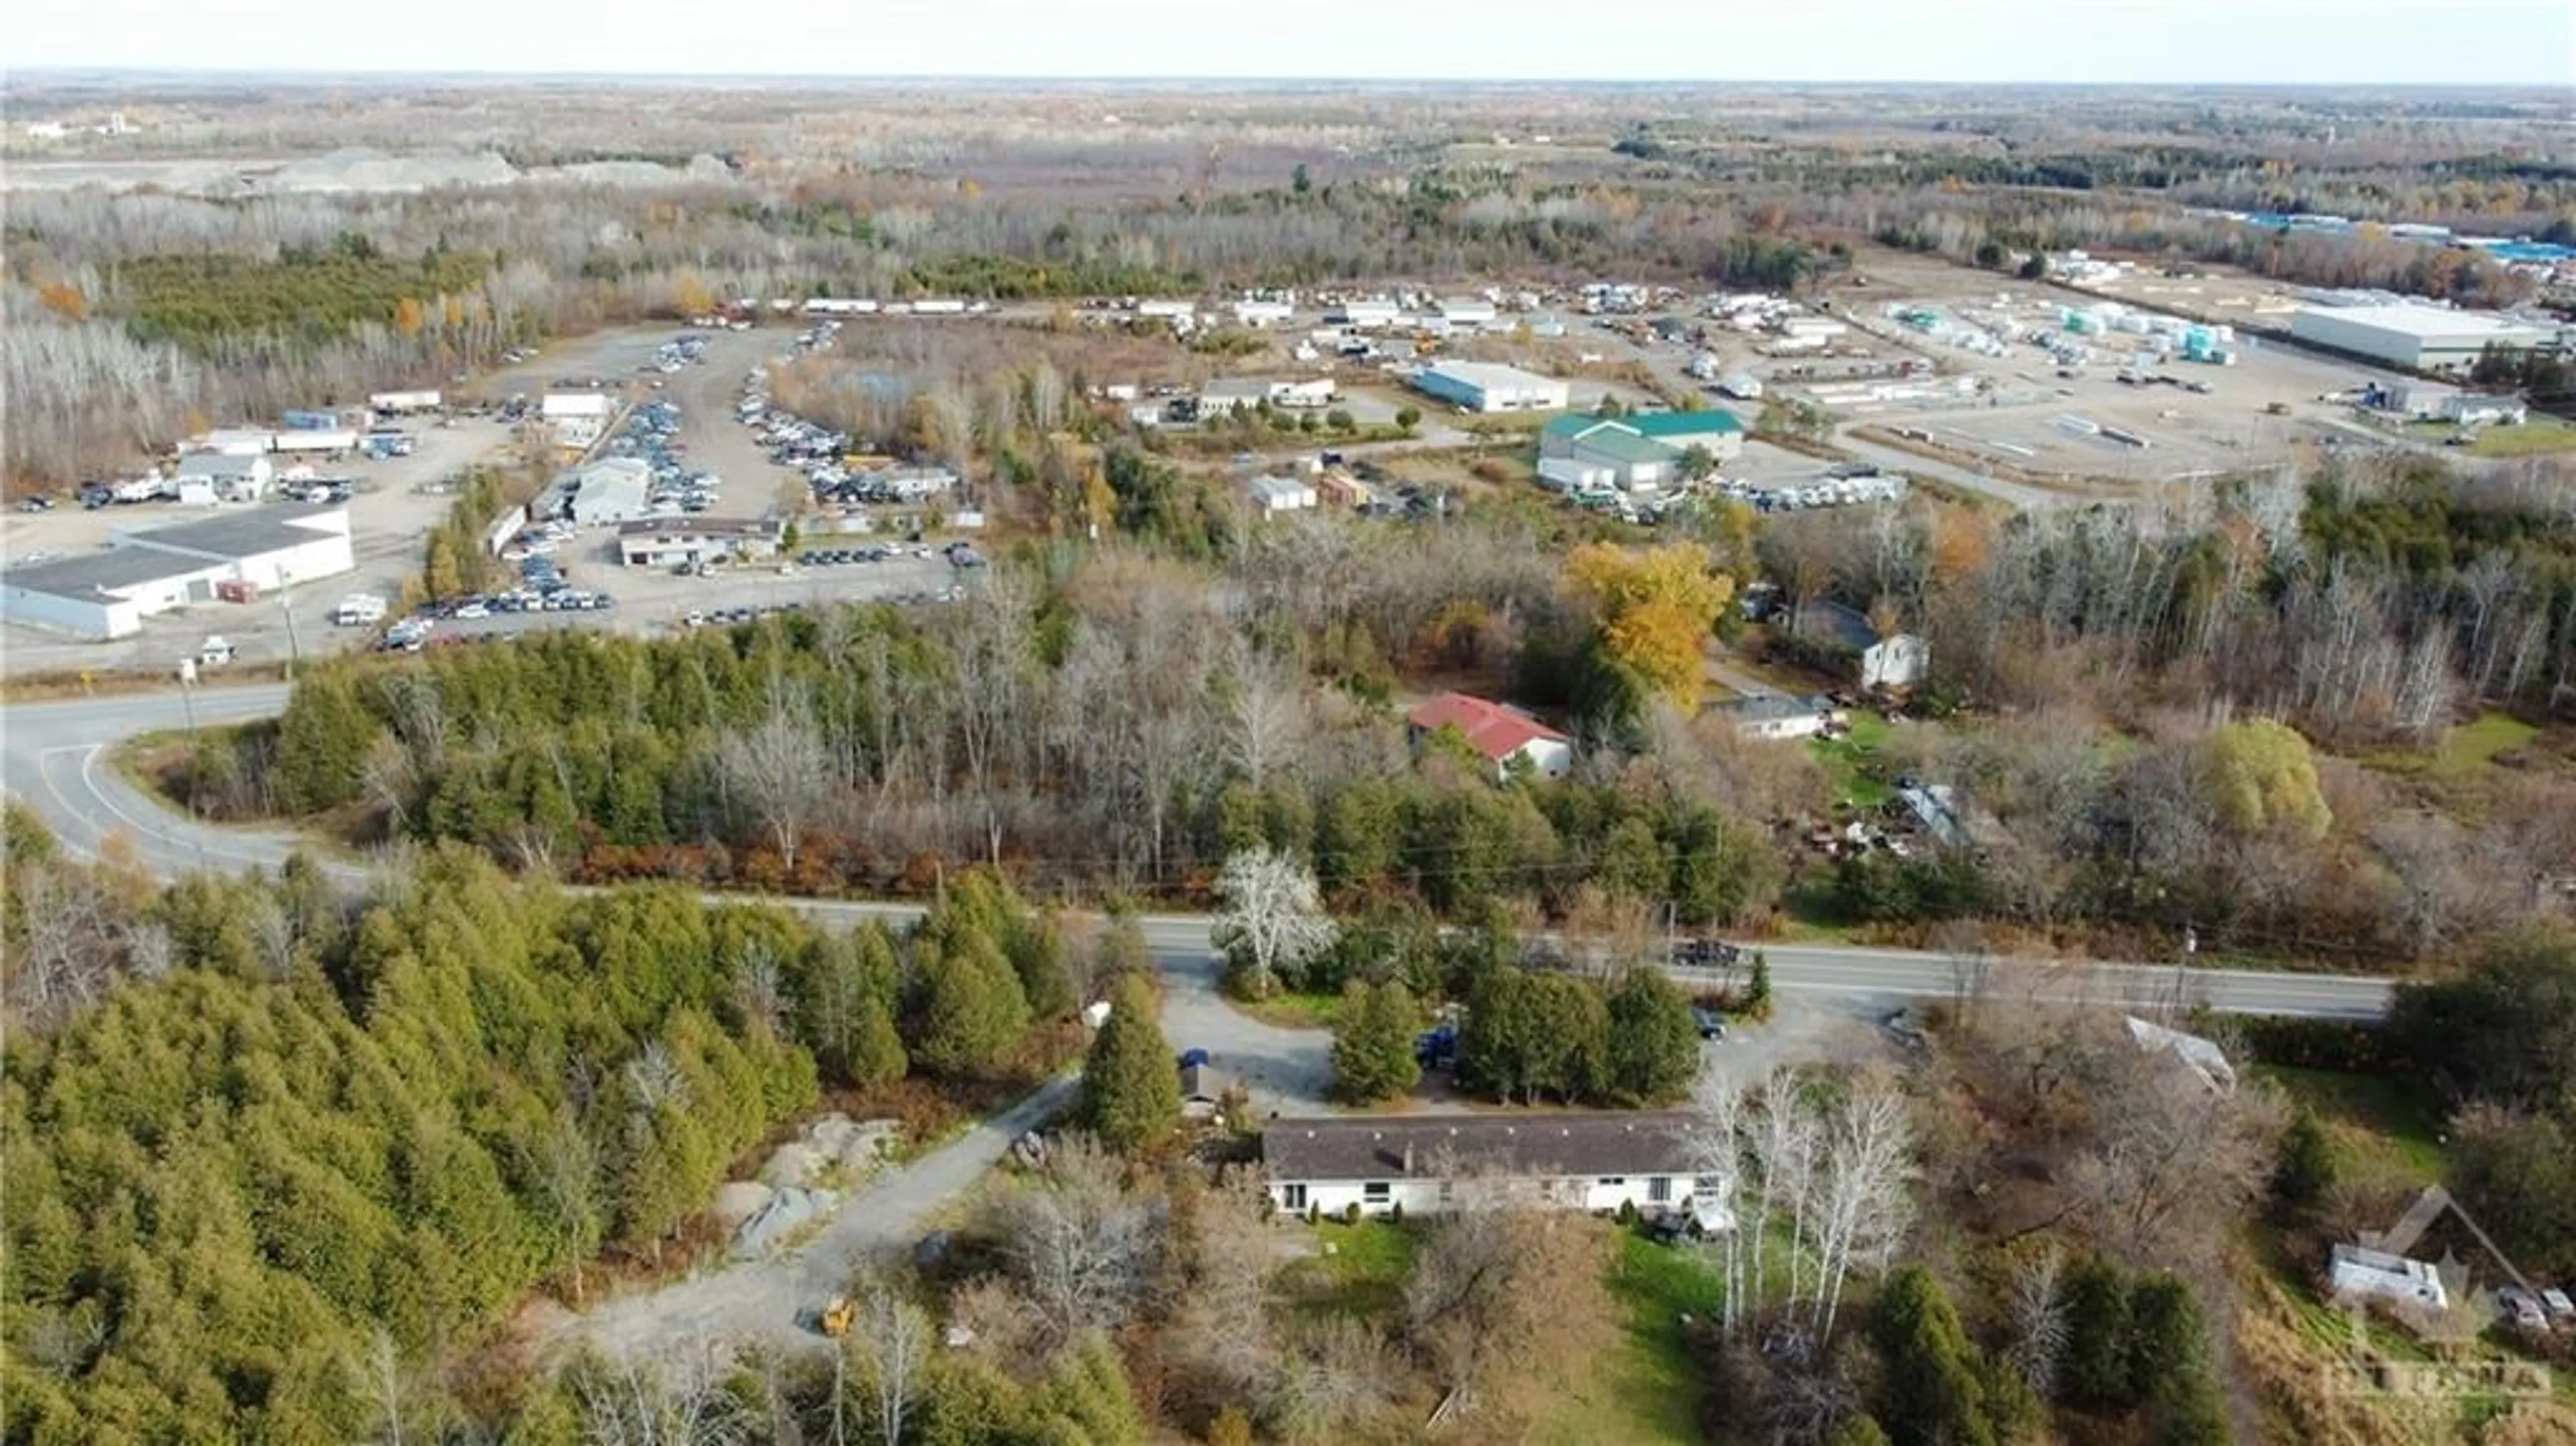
x=267, y=1142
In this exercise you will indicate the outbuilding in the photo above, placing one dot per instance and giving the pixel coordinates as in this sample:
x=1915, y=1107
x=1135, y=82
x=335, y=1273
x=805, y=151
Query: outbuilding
x=1778, y=715
x=1273, y=495
x=577, y=418
x=225, y=476
x=1487, y=387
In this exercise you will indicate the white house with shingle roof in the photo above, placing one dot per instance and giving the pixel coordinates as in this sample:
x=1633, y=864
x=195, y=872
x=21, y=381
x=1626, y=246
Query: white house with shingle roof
x=1595, y=1162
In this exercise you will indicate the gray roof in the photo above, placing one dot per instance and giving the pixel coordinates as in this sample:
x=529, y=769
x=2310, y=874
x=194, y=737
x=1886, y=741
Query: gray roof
x=1835, y=623
x=1772, y=706
x=90, y=575
x=698, y=527
x=1252, y=387
x=1528, y=1146
x=219, y=464
x=232, y=536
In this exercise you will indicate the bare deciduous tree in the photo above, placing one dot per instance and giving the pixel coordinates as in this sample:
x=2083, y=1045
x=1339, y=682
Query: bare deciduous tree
x=893, y=1336
x=1080, y=1242
x=1274, y=917
x=774, y=770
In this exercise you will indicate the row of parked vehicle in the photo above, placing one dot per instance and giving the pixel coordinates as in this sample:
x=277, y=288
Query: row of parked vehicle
x=685, y=350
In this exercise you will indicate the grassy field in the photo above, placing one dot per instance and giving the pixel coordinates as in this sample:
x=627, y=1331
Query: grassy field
x=2537, y=437
x=1356, y=1270
x=1851, y=760
x=1643, y=1389
x=1292, y=1010
x=2376, y=1121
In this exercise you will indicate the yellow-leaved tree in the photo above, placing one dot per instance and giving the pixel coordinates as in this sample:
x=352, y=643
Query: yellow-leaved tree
x=1656, y=606
x=2264, y=779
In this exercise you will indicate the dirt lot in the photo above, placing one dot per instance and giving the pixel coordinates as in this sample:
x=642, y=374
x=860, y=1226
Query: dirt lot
x=2030, y=418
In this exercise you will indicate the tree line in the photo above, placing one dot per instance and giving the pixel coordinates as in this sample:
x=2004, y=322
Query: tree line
x=261, y=1132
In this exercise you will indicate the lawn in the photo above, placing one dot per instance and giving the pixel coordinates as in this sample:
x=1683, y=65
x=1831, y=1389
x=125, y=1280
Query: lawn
x=1356, y=1270
x=2377, y=1122
x=1852, y=760
x=1292, y=1010
x=1644, y=1390
x=2539, y=436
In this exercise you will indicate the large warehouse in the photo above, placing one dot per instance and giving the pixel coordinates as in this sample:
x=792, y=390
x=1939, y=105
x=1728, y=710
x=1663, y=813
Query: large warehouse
x=148, y=572
x=2419, y=338
x=1485, y=387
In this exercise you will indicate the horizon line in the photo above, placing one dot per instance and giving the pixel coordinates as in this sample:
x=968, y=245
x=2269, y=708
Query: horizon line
x=318, y=74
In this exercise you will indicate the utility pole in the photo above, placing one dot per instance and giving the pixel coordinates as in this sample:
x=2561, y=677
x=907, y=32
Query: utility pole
x=286, y=602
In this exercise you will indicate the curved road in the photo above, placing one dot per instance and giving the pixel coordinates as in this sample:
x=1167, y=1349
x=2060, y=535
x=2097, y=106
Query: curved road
x=54, y=756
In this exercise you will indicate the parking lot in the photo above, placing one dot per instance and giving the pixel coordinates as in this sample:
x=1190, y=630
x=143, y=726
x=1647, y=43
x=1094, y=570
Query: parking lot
x=705, y=460
x=394, y=504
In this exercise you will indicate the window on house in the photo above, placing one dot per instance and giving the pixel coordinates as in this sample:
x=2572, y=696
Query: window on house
x=1293, y=1197
x=1377, y=1192
x=1610, y=1181
x=1448, y=1191
x=1659, y=1190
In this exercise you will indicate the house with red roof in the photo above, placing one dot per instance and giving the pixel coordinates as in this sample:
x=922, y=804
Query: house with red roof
x=1498, y=732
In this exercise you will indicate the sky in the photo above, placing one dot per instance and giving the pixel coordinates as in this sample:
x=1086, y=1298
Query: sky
x=2175, y=42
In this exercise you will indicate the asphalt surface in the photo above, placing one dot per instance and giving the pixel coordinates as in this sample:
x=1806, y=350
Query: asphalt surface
x=54, y=756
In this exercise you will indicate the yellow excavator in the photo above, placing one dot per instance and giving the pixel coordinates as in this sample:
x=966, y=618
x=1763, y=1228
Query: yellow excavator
x=834, y=1321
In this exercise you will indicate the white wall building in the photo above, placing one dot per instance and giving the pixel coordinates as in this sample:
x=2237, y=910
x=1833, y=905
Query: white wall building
x=1426, y=1165
x=1780, y=716
x=614, y=489
x=2357, y=1273
x=225, y=476
x=1486, y=387
x=1272, y=496
x=2418, y=337
x=578, y=418
x=146, y=572
x=1373, y=314
x=675, y=541
x=1262, y=315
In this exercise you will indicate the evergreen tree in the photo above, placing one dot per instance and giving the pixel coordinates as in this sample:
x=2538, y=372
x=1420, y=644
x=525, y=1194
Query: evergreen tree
x=1131, y=1090
x=2093, y=1369
x=1933, y=1396
x=2306, y=1171
x=1373, y=1056
x=1653, y=1047
x=971, y=1009
x=2170, y=1372
x=1857, y=1429
x=1757, y=990
x=1086, y=1399
x=322, y=742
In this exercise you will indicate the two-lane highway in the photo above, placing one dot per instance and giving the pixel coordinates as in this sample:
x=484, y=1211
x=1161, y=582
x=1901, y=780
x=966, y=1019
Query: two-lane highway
x=56, y=757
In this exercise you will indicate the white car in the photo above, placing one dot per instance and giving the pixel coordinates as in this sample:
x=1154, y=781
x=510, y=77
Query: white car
x=473, y=610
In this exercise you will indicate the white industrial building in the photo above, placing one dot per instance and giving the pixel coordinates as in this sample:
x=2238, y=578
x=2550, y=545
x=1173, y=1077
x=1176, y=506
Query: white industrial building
x=1263, y=314
x=679, y=541
x=146, y=572
x=1365, y=315
x=205, y=477
x=2417, y=337
x=1487, y=387
x=578, y=418
x=1433, y=1164
x=614, y=489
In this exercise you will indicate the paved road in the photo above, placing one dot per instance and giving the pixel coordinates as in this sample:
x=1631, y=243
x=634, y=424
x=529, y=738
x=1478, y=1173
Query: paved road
x=51, y=755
